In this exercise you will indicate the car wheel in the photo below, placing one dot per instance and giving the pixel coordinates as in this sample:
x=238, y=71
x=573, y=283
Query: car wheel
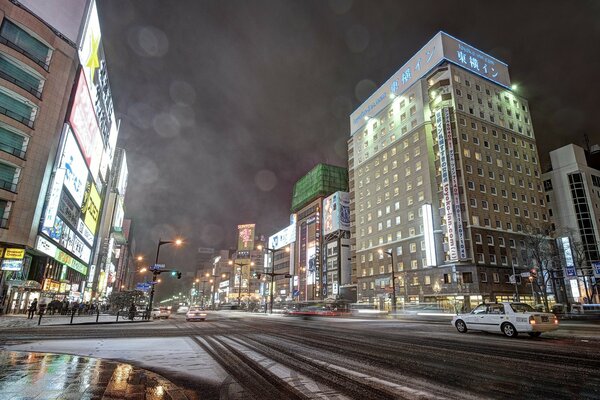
x=535, y=334
x=509, y=330
x=461, y=326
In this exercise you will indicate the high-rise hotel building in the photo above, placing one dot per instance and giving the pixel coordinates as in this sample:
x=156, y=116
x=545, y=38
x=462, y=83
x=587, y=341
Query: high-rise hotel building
x=445, y=176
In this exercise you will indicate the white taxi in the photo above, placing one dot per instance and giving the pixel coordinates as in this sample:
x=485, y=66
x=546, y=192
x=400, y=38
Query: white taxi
x=507, y=317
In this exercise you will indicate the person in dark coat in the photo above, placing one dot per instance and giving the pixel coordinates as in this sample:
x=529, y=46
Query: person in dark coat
x=32, y=309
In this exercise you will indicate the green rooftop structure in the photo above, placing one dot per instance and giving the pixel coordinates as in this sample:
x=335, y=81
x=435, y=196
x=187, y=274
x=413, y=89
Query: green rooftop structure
x=320, y=181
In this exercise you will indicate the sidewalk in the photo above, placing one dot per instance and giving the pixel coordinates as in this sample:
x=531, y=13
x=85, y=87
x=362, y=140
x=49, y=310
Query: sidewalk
x=53, y=376
x=21, y=321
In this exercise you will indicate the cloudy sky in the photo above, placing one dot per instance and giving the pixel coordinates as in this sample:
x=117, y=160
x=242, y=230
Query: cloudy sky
x=225, y=104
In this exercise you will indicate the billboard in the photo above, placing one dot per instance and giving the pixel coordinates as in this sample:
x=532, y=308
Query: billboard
x=76, y=171
x=336, y=212
x=91, y=207
x=123, y=175
x=12, y=265
x=54, y=199
x=93, y=63
x=85, y=125
x=246, y=237
x=283, y=238
x=119, y=214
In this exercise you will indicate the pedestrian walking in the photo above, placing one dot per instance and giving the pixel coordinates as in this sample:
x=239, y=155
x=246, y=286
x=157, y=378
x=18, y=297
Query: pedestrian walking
x=32, y=309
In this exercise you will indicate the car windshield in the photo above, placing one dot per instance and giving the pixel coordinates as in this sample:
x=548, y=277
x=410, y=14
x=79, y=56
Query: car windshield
x=521, y=307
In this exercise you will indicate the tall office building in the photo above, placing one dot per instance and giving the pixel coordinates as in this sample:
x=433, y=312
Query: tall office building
x=573, y=197
x=444, y=175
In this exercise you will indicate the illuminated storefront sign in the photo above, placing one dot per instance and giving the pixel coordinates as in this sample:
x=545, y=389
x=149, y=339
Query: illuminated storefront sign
x=283, y=238
x=12, y=265
x=69, y=261
x=50, y=285
x=15, y=254
x=570, y=270
x=441, y=47
x=45, y=247
x=246, y=237
x=68, y=210
x=86, y=234
x=76, y=171
x=446, y=191
x=462, y=249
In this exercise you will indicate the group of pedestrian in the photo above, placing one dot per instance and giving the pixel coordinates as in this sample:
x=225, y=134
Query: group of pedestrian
x=64, y=307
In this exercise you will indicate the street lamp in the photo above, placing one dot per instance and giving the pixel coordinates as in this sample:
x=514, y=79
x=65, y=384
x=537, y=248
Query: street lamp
x=155, y=271
x=272, y=274
x=240, y=265
x=389, y=253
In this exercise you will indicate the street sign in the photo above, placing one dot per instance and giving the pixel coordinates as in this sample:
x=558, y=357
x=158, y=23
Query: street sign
x=142, y=286
x=525, y=275
x=512, y=279
x=157, y=267
x=596, y=267
x=296, y=293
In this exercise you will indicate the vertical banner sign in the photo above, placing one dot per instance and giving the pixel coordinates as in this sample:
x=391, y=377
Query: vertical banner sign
x=570, y=270
x=246, y=237
x=446, y=195
x=318, y=247
x=303, y=249
x=460, y=232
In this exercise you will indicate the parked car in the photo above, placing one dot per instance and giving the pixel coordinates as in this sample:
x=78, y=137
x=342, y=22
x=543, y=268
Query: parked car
x=509, y=318
x=160, y=313
x=195, y=314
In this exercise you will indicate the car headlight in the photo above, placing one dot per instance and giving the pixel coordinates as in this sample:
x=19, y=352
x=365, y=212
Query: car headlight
x=531, y=320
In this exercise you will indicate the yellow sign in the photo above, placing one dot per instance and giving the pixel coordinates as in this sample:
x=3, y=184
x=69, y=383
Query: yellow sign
x=91, y=207
x=15, y=254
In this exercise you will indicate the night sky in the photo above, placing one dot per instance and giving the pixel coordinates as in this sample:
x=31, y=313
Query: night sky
x=225, y=104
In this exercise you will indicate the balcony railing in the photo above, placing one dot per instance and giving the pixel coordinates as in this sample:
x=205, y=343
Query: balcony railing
x=12, y=150
x=27, y=54
x=11, y=187
x=21, y=84
x=16, y=117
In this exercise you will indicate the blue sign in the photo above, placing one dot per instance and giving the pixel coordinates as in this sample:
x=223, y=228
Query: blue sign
x=596, y=267
x=571, y=272
x=142, y=286
x=296, y=293
x=156, y=267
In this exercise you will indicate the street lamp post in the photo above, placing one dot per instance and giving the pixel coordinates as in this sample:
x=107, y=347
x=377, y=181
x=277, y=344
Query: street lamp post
x=156, y=272
x=272, y=274
x=389, y=253
x=240, y=265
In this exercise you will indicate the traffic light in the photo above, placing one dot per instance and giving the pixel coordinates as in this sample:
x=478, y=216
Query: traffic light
x=176, y=273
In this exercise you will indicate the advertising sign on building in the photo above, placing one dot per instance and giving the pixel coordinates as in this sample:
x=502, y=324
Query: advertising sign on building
x=83, y=122
x=570, y=270
x=246, y=237
x=446, y=189
x=460, y=233
x=91, y=207
x=12, y=265
x=441, y=47
x=283, y=238
x=54, y=199
x=76, y=171
x=336, y=213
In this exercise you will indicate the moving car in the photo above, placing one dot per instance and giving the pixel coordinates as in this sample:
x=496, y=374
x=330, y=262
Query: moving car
x=195, y=313
x=510, y=318
x=160, y=312
x=182, y=309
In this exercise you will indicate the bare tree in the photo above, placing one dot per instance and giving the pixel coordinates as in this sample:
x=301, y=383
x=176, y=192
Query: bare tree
x=582, y=264
x=542, y=255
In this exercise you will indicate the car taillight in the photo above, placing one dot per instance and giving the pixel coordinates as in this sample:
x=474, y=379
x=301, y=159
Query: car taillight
x=531, y=320
x=555, y=321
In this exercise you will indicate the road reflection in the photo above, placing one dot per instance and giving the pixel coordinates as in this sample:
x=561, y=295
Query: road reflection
x=51, y=376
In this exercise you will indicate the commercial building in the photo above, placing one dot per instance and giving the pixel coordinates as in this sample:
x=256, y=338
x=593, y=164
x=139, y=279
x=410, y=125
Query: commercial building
x=573, y=198
x=444, y=174
x=38, y=66
x=309, y=272
x=59, y=136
